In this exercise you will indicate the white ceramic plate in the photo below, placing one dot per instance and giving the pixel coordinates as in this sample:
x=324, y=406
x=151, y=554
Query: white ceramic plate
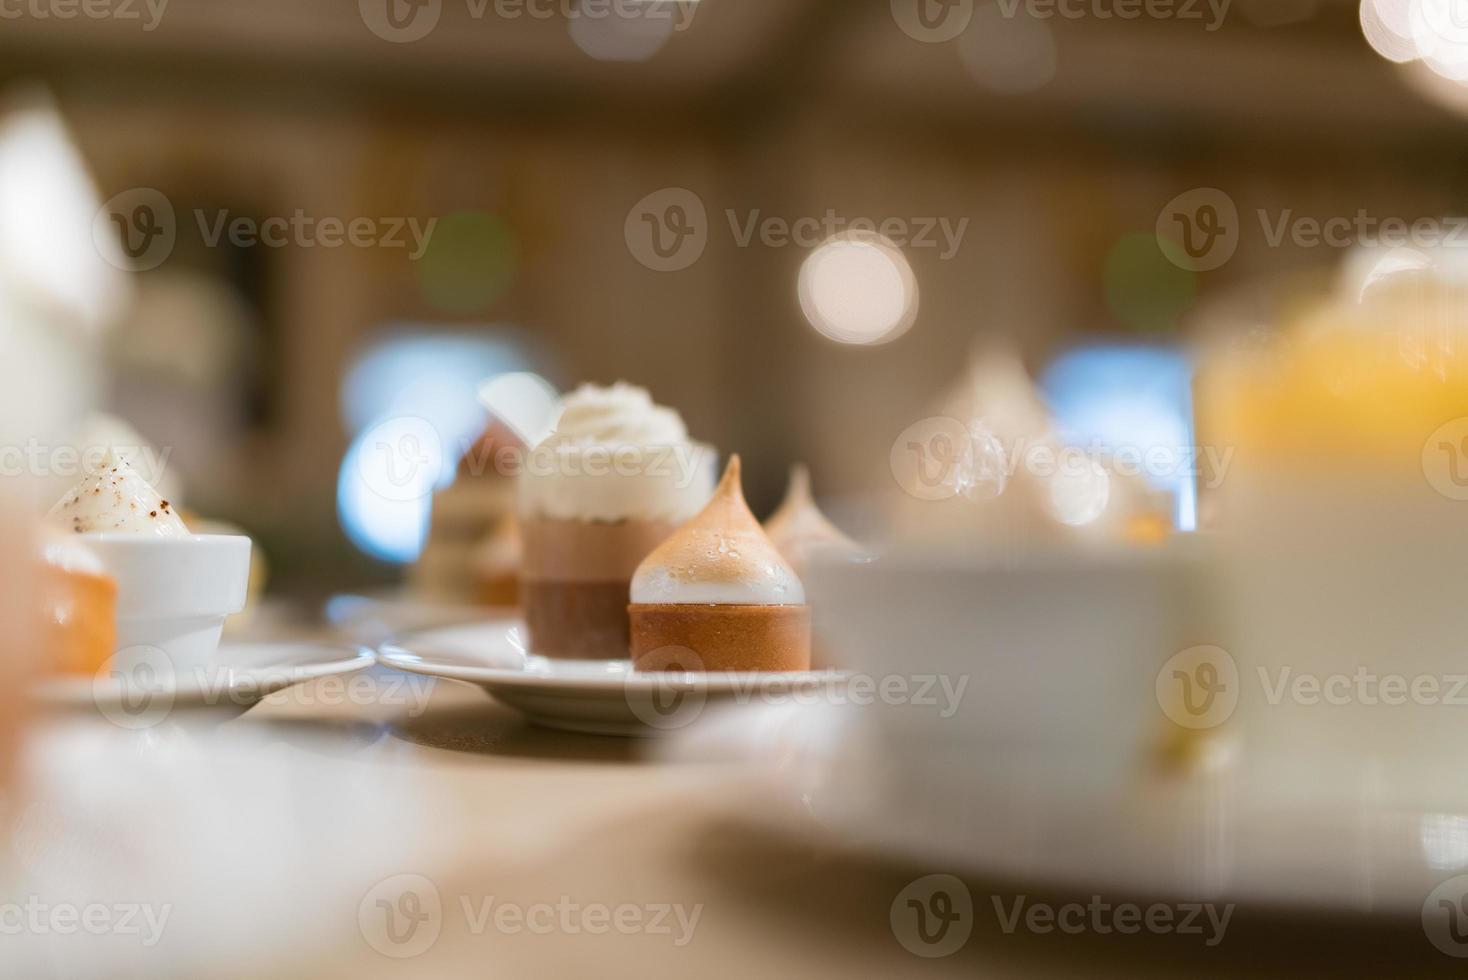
x=604, y=697
x=238, y=677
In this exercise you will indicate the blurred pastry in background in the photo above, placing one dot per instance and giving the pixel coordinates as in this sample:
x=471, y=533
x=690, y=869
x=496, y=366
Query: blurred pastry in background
x=496, y=565
x=78, y=606
x=467, y=515
x=717, y=595
x=987, y=475
x=801, y=531
x=616, y=477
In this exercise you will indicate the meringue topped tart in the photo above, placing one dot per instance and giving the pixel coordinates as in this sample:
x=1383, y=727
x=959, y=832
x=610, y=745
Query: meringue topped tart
x=116, y=498
x=718, y=595
x=800, y=531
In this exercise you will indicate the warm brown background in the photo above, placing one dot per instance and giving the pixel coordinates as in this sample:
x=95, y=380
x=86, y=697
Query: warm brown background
x=788, y=106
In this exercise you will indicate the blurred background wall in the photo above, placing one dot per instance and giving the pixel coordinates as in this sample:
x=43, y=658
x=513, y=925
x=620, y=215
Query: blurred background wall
x=531, y=138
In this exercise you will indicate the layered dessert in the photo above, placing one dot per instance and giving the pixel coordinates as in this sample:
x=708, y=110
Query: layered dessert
x=617, y=476
x=717, y=595
x=471, y=555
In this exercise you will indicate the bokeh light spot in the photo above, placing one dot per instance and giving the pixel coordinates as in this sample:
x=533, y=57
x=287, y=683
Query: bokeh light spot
x=858, y=289
x=1008, y=50
x=1146, y=290
x=471, y=259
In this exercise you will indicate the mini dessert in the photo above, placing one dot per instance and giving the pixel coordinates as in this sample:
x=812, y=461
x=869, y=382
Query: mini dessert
x=174, y=589
x=116, y=498
x=477, y=508
x=78, y=606
x=618, y=475
x=717, y=595
x=801, y=531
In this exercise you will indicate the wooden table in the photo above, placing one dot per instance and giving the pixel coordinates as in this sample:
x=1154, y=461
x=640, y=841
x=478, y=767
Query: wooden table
x=559, y=826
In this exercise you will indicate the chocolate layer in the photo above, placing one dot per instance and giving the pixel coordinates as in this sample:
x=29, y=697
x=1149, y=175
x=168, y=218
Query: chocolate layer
x=720, y=637
x=587, y=551
x=576, y=620
x=574, y=583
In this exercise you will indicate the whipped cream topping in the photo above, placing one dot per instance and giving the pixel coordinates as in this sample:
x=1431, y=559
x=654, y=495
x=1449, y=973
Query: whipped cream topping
x=614, y=456
x=620, y=415
x=115, y=498
x=721, y=557
x=799, y=529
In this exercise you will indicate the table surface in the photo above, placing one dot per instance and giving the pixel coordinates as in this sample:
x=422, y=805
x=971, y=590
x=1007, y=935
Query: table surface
x=493, y=812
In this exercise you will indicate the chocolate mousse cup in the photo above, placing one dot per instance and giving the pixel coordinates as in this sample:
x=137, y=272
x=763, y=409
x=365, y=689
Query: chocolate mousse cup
x=574, y=583
x=616, y=477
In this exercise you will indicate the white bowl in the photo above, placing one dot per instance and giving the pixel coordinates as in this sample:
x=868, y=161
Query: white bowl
x=173, y=594
x=1056, y=655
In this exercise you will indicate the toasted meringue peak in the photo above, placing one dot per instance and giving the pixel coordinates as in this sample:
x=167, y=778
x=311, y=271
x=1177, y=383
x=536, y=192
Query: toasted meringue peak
x=116, y=498
x=800, y=530
x=721, y=556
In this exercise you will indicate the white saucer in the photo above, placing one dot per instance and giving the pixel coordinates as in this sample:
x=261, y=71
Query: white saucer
x=238, y=677
x=603, y=697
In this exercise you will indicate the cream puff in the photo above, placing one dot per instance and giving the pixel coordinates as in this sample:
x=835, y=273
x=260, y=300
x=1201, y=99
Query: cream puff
x=718, y=595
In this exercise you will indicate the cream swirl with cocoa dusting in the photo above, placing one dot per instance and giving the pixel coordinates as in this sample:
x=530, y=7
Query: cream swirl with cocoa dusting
x=116, y=499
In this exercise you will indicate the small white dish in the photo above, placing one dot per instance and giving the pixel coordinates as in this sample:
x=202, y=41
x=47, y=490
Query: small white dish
x=173, y=594
x=602, y=697
x=143, y=692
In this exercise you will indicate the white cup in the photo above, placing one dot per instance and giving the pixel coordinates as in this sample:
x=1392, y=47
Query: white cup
x=173, y=594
